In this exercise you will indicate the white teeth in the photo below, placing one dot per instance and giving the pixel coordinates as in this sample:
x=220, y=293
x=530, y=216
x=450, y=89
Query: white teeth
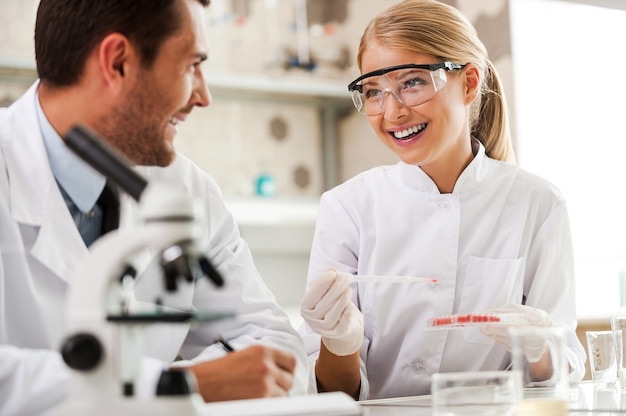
x=411, y=130
x=174, y=120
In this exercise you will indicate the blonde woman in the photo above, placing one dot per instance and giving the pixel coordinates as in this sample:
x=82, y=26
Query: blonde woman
x=455, y=208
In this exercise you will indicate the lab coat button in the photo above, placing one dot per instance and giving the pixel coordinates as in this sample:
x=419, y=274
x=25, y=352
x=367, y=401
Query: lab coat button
x=418, y=365
x=444, y=205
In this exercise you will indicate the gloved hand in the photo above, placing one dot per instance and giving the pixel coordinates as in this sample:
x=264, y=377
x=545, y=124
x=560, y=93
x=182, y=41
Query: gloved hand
x=328, y=309
x=533, y=347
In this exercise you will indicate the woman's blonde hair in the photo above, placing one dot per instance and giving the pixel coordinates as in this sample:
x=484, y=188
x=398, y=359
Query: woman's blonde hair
x=434, y=28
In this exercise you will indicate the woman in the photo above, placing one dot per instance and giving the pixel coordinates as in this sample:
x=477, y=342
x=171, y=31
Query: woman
x=456, y=208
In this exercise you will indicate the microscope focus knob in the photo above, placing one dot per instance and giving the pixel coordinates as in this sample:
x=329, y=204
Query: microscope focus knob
x=82, y=352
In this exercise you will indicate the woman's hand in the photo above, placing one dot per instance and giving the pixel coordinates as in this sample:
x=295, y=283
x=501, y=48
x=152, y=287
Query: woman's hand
x=532, y=347
x=328, y=309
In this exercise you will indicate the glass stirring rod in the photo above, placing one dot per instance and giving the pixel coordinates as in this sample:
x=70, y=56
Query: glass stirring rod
x=361, y=278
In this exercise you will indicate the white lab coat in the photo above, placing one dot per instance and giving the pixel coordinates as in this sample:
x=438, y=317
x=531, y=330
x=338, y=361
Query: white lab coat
x=502, y=233
x=41, y=248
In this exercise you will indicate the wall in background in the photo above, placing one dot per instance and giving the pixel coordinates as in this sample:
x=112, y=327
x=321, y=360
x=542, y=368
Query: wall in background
x=571, y=132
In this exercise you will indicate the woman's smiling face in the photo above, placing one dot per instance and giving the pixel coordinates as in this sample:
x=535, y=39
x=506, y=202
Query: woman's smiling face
x=433, y=134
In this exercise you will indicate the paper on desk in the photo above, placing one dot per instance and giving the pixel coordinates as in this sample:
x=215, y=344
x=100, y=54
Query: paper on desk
x=324, y=404
x=408, y=401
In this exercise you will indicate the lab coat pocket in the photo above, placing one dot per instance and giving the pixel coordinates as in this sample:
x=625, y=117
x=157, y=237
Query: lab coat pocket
x=490, y=283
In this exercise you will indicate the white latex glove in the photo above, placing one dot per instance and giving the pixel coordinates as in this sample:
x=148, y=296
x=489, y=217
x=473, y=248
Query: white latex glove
x=328, y=309
x=532, y=347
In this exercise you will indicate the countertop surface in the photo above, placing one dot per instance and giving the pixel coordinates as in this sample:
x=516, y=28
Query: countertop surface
x=585, y=398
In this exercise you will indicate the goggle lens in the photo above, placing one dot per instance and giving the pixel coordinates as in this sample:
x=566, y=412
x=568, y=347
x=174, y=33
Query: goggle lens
x=410, y=87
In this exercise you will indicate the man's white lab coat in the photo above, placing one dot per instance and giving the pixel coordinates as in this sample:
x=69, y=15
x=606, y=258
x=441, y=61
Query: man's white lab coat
x=41, y=248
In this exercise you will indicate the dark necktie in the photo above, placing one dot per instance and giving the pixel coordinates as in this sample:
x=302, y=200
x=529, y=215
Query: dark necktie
x=109, y=203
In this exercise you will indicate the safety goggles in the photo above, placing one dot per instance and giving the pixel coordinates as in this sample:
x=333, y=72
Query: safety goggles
x=410, y=85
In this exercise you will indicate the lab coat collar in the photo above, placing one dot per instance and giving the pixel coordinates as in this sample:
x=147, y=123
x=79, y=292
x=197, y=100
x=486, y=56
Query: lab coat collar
x=473, y=175
x=34, y=195
x=26, y=160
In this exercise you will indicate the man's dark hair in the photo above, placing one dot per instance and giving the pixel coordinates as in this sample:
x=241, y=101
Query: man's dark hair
x=66, y=31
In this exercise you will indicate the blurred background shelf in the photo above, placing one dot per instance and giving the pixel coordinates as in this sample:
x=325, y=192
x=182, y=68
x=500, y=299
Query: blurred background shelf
x=309, y=90
x=331, y=98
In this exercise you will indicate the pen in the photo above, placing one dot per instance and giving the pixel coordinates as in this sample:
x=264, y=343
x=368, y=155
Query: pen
x=227, y=347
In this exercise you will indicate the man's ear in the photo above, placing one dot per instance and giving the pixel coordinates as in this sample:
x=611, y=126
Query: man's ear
x=472, y=82
x=116, y=57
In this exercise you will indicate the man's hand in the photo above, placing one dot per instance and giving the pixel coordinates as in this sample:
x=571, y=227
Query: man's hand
x=254, y=372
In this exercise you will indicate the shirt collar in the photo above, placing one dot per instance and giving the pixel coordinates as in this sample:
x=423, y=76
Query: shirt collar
x=416, y=179
x=81, y=182
x=476, y=171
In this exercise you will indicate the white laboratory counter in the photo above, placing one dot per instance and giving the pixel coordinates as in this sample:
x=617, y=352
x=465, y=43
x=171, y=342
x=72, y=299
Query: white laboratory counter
x=586, y=398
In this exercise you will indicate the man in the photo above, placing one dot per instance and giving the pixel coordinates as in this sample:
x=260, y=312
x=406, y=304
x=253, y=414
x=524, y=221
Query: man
x=130, y=71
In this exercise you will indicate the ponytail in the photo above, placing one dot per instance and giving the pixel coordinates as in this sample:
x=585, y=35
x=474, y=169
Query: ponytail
x=490, y=121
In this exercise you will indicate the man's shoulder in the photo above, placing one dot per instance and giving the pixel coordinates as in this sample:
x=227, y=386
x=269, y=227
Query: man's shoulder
x=22, y=112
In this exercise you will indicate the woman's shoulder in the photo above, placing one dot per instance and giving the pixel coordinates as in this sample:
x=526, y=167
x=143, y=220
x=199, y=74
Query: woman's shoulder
x=527, y=181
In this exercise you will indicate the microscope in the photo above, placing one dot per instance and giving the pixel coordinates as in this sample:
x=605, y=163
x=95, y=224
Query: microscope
x=105, y=323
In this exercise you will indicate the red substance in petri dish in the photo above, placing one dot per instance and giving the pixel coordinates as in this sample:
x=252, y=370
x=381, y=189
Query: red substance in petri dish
x=443, y=320
x=463, y=319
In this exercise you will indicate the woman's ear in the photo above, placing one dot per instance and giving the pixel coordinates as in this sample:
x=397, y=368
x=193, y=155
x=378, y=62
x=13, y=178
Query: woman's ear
x=472, y=82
